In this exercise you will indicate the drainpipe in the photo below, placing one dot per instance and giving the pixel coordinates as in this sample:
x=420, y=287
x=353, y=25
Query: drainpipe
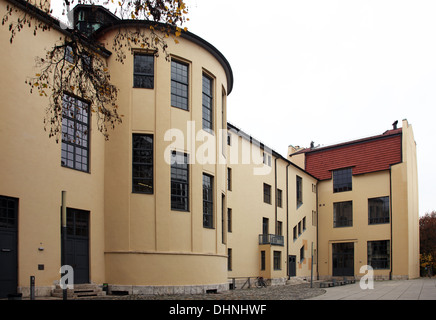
x=317, y=234
x=275, y=193
x=390, y=221
x=64, y=236
x=287, y=221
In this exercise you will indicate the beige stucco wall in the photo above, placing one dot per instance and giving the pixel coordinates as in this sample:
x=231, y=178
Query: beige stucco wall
x=32, y=170
x=400, y=183
x=143, y=235
x=246, y=200
x=365, y=186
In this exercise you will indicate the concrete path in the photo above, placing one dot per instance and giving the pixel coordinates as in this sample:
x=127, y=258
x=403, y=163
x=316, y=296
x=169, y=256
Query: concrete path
x=416, y=289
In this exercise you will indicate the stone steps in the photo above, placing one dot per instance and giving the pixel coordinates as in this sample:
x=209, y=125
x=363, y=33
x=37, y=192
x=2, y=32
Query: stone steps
x=80, y=291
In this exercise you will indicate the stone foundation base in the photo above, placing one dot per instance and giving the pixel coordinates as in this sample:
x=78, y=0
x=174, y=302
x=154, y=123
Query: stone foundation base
x=39, y=291
x=166, y=290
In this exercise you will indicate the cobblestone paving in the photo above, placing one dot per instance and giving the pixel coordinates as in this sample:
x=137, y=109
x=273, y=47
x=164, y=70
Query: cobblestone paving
x=285, y=292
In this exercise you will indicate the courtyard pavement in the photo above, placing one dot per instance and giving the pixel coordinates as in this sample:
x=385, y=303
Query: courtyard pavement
x=415, y=289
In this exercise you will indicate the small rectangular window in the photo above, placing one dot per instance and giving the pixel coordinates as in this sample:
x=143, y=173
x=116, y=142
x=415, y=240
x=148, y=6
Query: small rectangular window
x=277, y=260
x=142, y=163
x=267, y=159
x=266, y=193
x=279, y=198
x=299, y=191
x=229, y=220
x=302, y=254
x=342, y=180
x=179, y=85
x=143, y=71
x=229, y=259
x=179, y=181
x=279, y=228
x=262, y=260
x=229, y=179
x=207, y=201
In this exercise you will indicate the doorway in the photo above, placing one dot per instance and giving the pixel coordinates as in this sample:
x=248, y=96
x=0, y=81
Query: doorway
x=77, y=246
x=8, y=246
x=343, y=259
x=292, y=265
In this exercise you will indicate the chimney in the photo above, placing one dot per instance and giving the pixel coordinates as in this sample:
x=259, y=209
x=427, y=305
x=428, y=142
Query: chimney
x=394, y=125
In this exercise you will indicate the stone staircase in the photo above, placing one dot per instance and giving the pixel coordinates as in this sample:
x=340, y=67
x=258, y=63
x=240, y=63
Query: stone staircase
x=80, y=291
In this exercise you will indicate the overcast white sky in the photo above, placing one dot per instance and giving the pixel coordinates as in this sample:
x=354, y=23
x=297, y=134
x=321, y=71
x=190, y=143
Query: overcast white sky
x=328, y=71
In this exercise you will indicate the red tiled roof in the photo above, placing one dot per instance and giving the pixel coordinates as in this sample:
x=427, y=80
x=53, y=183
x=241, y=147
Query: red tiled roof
x=365, y=155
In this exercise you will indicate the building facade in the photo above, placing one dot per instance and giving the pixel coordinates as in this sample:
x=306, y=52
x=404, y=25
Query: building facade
x=178, y=199
x=367, y=205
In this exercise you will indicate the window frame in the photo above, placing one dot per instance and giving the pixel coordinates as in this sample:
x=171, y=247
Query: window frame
x=299, y=191
x=142, y=165
x=279, y=198
x=207, y=103
x=176, y=166
x=339, y=221
x=383, y=259
x=342, y=180
x=229, y=179
x=229, y=220
x=178, y=84
x=302, y=257
x=379, y=218
x=208, y=202
x=277, y=260
x=267, y=193
x=65, y=133
x=143, y=74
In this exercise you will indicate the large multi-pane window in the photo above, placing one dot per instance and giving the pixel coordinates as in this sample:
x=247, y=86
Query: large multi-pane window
x=75, y=133
x=207, y=103
x=207, y=201
x=342, y=180
x=378, y=210
x=143, y=71
x=142, y=163
x=343, y=214
x=179, y=85
x=179, y=181
x=379, y=254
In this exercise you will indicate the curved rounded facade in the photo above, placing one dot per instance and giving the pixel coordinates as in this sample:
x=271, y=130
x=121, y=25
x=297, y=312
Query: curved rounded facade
x=163, y=220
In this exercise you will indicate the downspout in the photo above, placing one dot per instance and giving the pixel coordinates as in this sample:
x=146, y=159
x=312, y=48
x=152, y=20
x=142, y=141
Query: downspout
x=390, y=221
x=287, y=222
x=317, y=235
x=275, y=193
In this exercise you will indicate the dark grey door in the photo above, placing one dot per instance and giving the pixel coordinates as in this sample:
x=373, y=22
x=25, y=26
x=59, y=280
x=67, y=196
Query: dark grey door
x=292, y=265
x=343, y=259
x=8, y=246
x=77, y=246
